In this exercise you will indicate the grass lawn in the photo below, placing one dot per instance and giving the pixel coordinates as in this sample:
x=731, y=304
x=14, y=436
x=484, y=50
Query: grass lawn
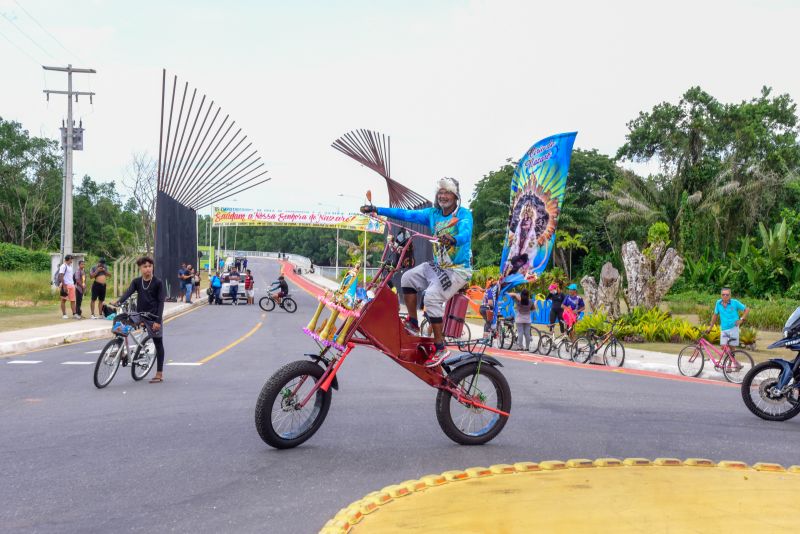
x=29, y=317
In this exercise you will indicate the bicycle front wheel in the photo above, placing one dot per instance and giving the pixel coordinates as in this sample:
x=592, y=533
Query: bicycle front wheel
x=289, y=305
x=143, y=359
x=266, y=303
x=536, y=339
x=582, y=350
x=736, y=365
x=691, y=360
x=546, y=345
x=614, y=354
x=507, y=336
x=108, y=362
x=564, y=349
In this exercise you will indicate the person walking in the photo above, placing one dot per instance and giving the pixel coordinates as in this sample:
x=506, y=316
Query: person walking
x=522, y=308
x=80, y=287
x=557, y=309
x=233, y=285
x=727, y=310
x=98, y=274
x=150, y=298
x=66, y=287
x=249, y=287
x=216, y=288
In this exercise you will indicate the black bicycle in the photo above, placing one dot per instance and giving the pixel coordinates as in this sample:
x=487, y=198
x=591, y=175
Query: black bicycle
x=267, y=303
x=590, y=344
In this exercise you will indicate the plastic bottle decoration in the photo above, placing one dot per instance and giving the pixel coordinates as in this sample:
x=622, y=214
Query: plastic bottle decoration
x=342, y=302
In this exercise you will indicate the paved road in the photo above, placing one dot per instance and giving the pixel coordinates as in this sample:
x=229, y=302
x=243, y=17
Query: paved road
x=184, y=455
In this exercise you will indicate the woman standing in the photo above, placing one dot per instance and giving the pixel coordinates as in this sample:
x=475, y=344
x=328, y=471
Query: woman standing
x=522, y=309
x=557, y=310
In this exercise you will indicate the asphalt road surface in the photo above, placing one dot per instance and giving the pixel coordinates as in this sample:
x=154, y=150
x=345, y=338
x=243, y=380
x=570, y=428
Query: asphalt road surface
x=184, y=455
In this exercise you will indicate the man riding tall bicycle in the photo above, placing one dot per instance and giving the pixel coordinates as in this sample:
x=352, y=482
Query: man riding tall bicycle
x=450, y=269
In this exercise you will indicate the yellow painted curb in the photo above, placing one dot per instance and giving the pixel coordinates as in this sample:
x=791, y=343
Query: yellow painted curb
x=640, y=495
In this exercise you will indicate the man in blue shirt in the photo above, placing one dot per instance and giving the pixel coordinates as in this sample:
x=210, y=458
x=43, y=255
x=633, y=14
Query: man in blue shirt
x=727, y=309
x=451, y=267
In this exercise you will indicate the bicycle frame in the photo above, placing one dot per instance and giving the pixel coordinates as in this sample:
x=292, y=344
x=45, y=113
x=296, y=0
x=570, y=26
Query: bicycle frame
x=377, y=324
x=707, y=348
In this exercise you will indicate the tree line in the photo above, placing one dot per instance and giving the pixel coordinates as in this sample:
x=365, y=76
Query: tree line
x=726, y=186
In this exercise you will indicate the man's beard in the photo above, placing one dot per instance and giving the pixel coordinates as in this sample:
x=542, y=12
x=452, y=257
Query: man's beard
x=447, y=204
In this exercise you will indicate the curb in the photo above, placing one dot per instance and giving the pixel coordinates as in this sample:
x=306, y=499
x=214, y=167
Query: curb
x=12, y=348
x=354, y=513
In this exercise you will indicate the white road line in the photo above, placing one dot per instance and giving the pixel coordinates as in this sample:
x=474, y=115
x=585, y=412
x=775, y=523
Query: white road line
x=24, y=361
x=192, y=364
x=77, y=363
x=98, y=351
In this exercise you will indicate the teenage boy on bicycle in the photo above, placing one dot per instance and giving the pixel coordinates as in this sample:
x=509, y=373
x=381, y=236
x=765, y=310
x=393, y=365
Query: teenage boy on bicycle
x=284, y=288
x=150, y=297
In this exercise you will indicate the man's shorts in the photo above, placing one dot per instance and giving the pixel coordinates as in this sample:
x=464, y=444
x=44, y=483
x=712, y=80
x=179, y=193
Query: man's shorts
x=439, y=285
x=250, y=293
x=729, y=337
x=70, y=296
x=98, y=292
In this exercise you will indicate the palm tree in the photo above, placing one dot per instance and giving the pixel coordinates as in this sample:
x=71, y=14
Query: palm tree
x=570, y=242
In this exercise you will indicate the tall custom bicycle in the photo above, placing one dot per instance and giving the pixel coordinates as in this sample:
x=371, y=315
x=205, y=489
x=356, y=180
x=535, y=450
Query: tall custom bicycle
x=473, y=398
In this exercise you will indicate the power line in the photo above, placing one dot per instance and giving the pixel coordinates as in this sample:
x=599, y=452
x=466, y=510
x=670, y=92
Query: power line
x=31, y=39
x=47, y=32
x=20, y=49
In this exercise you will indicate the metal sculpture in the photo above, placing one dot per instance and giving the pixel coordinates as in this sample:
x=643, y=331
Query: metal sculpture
x=201, y=160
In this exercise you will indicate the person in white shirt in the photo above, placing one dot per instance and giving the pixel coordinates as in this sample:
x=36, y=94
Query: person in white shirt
x=66, y=287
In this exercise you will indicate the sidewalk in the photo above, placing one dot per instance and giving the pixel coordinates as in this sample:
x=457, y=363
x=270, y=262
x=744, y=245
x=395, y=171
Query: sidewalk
x=645, y=360
x=71, y=331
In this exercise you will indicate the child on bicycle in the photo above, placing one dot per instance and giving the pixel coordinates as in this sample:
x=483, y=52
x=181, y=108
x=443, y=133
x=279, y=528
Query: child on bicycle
x=150, y=297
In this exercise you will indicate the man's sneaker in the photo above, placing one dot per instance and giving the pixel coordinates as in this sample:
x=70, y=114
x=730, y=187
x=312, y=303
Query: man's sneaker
x=437, y=358
x=65, y=316
x=411, y=328
x=76, y=316
x=93, y=317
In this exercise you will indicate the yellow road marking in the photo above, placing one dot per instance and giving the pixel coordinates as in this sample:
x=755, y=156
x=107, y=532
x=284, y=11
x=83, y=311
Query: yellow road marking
x=230, y=346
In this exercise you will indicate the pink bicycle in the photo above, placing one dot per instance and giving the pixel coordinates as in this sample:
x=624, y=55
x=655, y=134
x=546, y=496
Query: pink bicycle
x=734, y=363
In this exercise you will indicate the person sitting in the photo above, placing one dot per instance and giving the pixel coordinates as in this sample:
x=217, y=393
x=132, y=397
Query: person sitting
x=451, y=268
x=281, y=284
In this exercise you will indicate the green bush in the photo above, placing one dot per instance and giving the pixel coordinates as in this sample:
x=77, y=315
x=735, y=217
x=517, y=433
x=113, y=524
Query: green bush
x=16, y=258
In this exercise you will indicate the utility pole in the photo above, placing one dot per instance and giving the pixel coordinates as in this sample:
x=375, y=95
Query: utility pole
x=69, y=144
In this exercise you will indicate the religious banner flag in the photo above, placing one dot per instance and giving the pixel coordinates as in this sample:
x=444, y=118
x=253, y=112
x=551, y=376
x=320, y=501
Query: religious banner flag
x=537, y=193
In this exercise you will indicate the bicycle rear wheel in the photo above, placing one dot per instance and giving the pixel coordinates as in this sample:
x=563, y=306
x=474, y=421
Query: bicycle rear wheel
x=564, y=349
x=536, y=339
x=143, y=359
x=108, y=362
x=736, y=365
x=614, y=354
x=507, y=336
x=289, y=304
x=691, y=360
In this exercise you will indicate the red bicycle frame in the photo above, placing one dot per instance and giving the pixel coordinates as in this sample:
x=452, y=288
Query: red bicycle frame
x=379, y=325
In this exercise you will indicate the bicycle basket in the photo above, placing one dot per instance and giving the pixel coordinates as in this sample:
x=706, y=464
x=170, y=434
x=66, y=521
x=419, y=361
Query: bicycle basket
x=121, y=328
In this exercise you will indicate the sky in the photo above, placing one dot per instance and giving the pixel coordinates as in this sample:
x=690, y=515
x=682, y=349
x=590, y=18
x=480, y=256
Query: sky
x=460, y=86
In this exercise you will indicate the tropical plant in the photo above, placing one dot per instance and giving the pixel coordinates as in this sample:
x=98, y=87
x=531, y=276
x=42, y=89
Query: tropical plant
x=569, y=242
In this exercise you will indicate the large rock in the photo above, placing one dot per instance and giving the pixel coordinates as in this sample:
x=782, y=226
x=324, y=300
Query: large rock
x=650, y=274
x=605, y=295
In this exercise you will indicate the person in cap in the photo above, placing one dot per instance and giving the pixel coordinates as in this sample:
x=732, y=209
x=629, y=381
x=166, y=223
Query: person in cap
x=573, y=300
x=557, y=309
x=451, y=268
x=66, y=286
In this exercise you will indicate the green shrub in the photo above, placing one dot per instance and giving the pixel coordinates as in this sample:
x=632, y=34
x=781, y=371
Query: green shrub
x=16, y=258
